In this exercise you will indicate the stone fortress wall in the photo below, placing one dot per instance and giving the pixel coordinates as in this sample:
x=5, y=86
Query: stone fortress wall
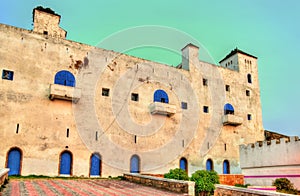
x=279, y=158
x=43, y=120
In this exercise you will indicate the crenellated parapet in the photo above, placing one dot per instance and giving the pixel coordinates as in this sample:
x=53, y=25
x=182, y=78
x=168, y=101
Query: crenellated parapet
x=277, y=152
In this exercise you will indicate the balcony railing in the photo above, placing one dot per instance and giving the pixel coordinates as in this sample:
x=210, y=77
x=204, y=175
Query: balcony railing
x=231, y=119
x=64, y=92
x=162, y=108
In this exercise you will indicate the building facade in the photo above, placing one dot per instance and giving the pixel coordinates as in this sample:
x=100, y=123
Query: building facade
x=72, y=109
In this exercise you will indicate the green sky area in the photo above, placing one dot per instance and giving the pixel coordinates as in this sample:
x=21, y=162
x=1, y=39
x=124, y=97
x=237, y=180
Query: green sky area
x=268, y=29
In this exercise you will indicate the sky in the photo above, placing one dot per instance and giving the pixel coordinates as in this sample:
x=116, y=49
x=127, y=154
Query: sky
x=267, y=29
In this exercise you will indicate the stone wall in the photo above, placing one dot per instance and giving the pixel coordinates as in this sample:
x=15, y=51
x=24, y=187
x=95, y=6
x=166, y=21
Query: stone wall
x=263, y=162
x=224, y=190
x=3, y=176
x=178, y=186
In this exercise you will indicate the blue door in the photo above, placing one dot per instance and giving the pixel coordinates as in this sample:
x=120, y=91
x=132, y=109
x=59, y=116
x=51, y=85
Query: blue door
x=95, y=169
x=209, y=165
x=183, y=164
x=14, y=162
x=65, y=163
x=226, y=167
x=135, y=164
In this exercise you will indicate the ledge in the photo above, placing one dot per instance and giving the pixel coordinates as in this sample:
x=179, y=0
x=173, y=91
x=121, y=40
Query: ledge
x=64, y=92
x=162, y=108
x=230, y=119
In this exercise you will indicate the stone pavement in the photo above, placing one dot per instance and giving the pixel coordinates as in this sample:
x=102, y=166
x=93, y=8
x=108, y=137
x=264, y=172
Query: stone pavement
x=84, y=187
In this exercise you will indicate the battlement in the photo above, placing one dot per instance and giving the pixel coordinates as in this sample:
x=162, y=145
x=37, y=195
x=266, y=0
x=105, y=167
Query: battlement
x=270, y=142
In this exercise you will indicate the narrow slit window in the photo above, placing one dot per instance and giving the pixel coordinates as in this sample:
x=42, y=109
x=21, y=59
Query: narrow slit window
x=205, y=109
x=184, y=105
x=17, y=130
x=135, y=139
x=247, y=93
x=68, y=132
x=96, y=136
x=205, y=82
x=225, y=147
x=227, y=88
x=249, y=78
x=105, y=92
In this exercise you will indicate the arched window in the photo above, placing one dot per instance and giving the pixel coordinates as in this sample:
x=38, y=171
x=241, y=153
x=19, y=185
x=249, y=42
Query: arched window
x=95, y=167
x=135, y=164
x=209, y=165
x=64, y=78
x=161, y=96
x=14, y=159
x=249, y=78
x=228, y=109
x=226, y=167
x=65, y=163
x=183, y=164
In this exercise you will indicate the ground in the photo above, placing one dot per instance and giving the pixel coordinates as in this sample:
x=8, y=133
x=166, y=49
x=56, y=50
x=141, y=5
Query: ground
x=85, y=187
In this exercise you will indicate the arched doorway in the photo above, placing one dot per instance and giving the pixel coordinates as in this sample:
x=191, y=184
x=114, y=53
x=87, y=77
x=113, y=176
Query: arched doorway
x=226, y=167
x=183, y=164
x=95, y=167
x=65, y=163
x=209, y=165
x=135, y=164
x=14, y=159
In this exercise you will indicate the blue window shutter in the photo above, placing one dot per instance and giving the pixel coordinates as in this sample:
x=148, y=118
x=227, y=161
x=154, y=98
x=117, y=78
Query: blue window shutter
x=64, y=78
x=161, y=96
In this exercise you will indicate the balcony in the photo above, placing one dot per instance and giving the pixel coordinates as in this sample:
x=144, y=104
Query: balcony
x=231, y=119
x=162, y=108
x=64, y=92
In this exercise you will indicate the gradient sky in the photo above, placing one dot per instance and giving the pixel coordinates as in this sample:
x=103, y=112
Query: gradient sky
x=268, y=29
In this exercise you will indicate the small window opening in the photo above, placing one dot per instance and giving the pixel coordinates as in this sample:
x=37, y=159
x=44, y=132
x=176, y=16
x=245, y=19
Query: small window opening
x=249, y=117
x=227, y=88
x=249, y=78
x=135, y=139
x=205, y=109
x=205, y=82
x=68, y=132
x=163, y=100
x=134, y=97
x=184, y=105
x=7, y=75
x=225, y=147
x=247, y=93
x=17, y=130
x=182, y=143
x=105, y=92
x=45, y=32
x=96, y=136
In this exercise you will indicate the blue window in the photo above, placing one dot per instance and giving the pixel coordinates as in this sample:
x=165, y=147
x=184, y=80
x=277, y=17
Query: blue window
x=95, y=169
x=14, y=161
x=249, y=78
x=228, y=109
x=135, y=164
x=183, y=164
x=65, y=163
x=161, y=96
x=64, y=78
x=7, y=75
x=209, y=165
x=226, y=167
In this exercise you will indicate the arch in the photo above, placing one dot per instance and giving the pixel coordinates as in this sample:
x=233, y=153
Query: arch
x=65, y=163
x=249, y=78
x=135, y=164
x=226, y=167
x=228, y=109
x=65, y=78
x=209, y=165
x=95, y=164
x=183, y=164
x=14, y=161
x=161, y=96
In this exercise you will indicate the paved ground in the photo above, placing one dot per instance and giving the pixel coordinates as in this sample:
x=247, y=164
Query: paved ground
x=88, y=187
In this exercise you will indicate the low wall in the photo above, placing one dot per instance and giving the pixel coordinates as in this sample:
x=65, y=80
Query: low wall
x=231, y=179
x=3, y=175
x=236, y=191
x=178, y=186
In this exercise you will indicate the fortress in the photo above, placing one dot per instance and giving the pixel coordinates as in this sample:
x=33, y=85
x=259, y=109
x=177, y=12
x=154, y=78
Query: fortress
x=72, y=109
